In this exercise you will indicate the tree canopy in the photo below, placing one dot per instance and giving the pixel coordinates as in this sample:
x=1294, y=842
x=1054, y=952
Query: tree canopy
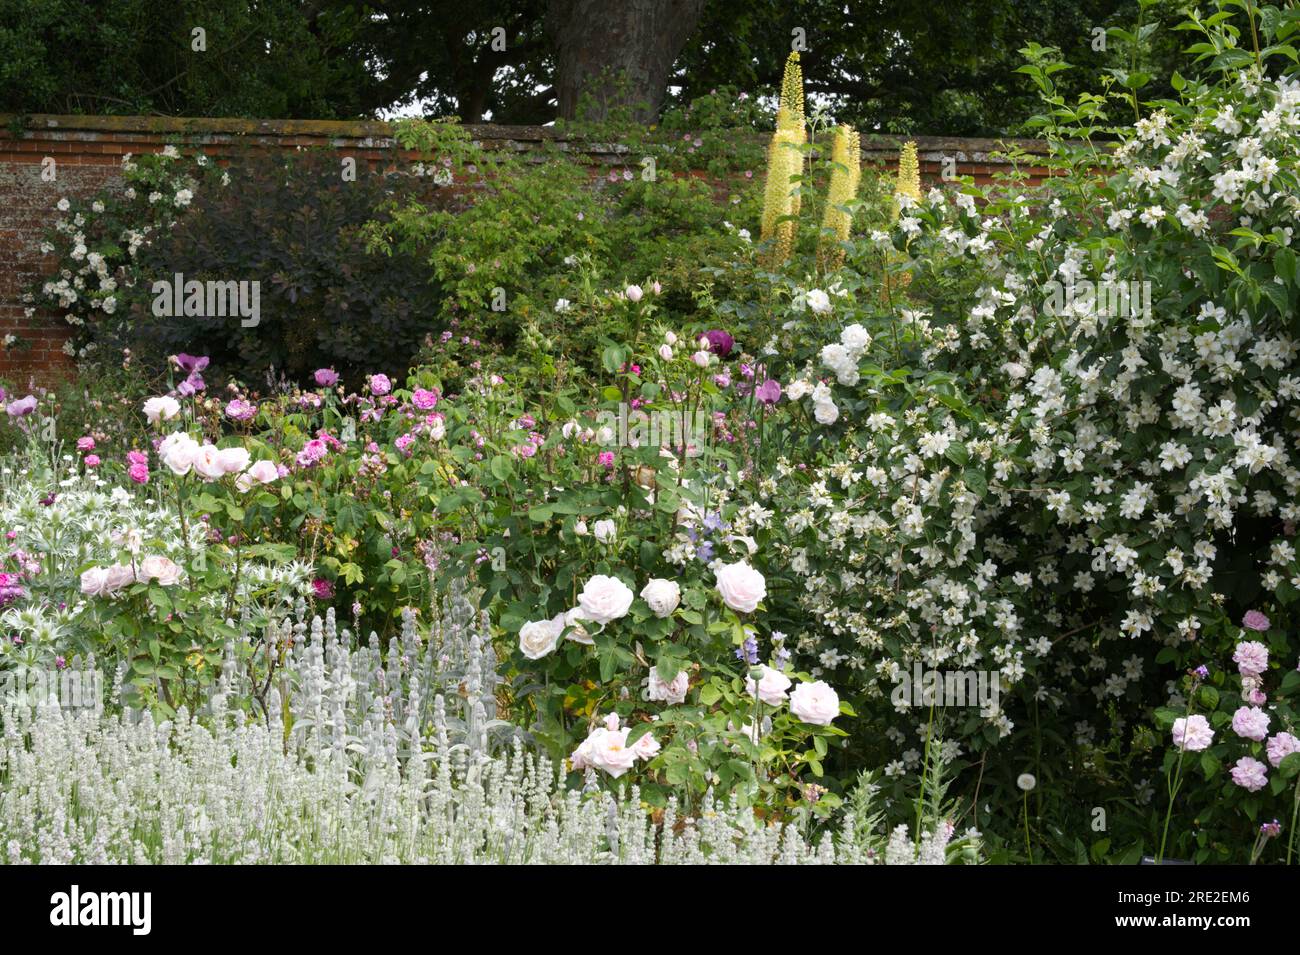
x=890, y=65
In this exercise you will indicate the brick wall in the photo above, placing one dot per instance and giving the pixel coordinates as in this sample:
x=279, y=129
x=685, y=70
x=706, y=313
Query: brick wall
x=87, y=153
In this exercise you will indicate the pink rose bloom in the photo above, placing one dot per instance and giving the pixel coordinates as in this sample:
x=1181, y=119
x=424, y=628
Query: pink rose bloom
x=1251, y=657
x=118, y=576
x=207, y=462
x=1254, y=620
x=815, y=703
x=312, y=452
x=326, y=377
x=165, y=571
x=424, y=399
x=380, y=385
x=741, y=586
x=94, y=582
x=606, y=749
x=86, y=444
x=92, y=460
x=605, y=599
x=233, y=460
x=1250, y=722
x=1280, y=747
x=646, y=748
x=177, y=451
x=771, y=688
x=137, y=457
x=606, y=459
x=672, y=692
x=1250, y=774
x=259, y=472
x=241, y=410
x=139, y=473
x=1193, y=733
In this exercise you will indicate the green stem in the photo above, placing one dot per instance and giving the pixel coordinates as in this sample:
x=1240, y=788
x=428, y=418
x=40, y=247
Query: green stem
x=1029, y=852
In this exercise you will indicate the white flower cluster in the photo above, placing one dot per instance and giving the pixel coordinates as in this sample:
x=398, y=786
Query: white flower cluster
x=1063, y=483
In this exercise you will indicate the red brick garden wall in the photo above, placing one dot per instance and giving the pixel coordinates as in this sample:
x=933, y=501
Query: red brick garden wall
x=87, y=153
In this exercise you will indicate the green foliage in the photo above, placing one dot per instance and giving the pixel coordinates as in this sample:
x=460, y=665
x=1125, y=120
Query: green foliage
x=277, y=58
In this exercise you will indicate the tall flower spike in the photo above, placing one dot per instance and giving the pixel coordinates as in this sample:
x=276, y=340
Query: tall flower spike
x=790, y=114
x=784, y=162
x=846, y=155
x=909, y=176
x=909, y=184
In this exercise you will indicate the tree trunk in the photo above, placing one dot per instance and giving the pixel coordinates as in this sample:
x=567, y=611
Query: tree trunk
x=612, y=56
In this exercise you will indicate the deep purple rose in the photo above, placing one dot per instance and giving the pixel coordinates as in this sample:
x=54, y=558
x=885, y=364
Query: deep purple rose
x=720, y=343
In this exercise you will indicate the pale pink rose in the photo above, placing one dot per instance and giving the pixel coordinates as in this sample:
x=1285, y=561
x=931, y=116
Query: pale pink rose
x=606, y=749
x=161, y=409
x=815, y=703
x=646, y=748
x=259, y=472
x=537, y=638
x=94, y=582
x=1251, y=658
x=634, y=293
x=177, y=452
x=771, y=688
x=671, y=692
x=207, y=463
x=165, y=571
x=1280, y=747
x=1254, y=620
x=1250, y=774
x=662, y=595
x=1250, y=722
x=1193, y=733
x=604, y=599
x=232, y=460
x=741, y=586
x=119, y=576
